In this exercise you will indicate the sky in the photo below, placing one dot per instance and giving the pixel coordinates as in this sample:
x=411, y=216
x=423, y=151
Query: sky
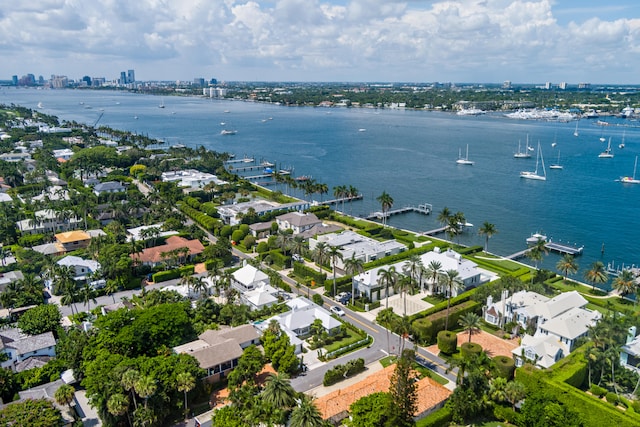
x=483, y=41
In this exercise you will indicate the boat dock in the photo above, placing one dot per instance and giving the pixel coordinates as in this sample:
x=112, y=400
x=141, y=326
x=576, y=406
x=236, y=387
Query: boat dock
x=553, y=247
x=424, y=209
x=253, y=167
x=243, y=160
x=342, y=199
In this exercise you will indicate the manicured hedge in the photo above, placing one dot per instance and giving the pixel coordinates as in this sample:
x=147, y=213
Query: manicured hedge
x=163, y=276
x=303, y=271
x=469, y=349
x=210, y=209
x=438, y=319
x=342, y=372
x=440, y=418
x=201, y=218
x=447, y=342
x=193, y=202
x=505, y=366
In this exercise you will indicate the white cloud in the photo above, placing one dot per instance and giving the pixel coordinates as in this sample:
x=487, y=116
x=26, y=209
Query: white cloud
x=466, y=40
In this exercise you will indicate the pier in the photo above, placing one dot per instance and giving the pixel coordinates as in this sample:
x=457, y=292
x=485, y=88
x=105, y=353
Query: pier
x=553, y=247
x=243, y=160
x=342, y=199
x=424, y=209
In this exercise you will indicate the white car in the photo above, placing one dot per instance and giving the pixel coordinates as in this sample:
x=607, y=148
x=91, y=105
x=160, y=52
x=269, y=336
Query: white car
x=337, y=310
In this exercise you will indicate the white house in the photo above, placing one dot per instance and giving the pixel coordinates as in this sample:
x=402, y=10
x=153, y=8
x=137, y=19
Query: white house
x=264, y=295
x=10, y=277
x=191, y=178
x=558, y=323
x=630, y=352
x=82, y=268
x=47, y=221
x=63, y=154
x=231, y=214
x=297, y=322
x=297, y=221
x=20, y=347
x=248, y=278
x=108, y=187
x=358, y=246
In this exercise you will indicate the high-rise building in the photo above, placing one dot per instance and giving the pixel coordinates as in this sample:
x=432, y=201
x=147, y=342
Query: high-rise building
x=131, y=76
x=123, y=78
x=198, y=81
x=563, y=85
x=506, y=84
x=14, y=79
x=547, y=85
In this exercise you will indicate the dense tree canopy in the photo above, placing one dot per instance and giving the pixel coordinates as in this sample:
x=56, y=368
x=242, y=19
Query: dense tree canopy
x=40, y=319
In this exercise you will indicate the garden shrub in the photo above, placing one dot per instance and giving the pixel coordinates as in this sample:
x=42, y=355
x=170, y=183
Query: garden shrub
x=504, y=413
x=505, y=366
x=423, y=330
x=303, y=271
x=447, y=342
x=342, y=372
x=440, y=418
x=469, y=349
x=612, y=398
x=163, y=276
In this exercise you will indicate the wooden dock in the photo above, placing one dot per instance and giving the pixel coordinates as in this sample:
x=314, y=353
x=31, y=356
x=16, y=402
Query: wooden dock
x=425, y=209
x=553, y=247
x=342, y=199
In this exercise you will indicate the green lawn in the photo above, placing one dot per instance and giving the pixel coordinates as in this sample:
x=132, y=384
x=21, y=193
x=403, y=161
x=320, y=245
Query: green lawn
x=351, y=338
x=424, y=372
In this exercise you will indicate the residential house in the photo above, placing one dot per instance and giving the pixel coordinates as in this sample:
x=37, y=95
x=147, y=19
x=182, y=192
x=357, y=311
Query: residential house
x=558, y=322
x=264, y=295
x=218, y=351
x=16, y=156
x=108, y=187
x=48, y=221
x=630, y=352
x=48, y=391
x=73, y=240
x=297, y=321
x=353, y=244
x=248, y=278
x=20, y=348
x=232, y=214
x=368, y=283
x=10, y=277
x=298, y=222
x=141, y=233
x=63, y=154
x=157, y=255
x=82, y=268
x=260, y=230
x=191, y=178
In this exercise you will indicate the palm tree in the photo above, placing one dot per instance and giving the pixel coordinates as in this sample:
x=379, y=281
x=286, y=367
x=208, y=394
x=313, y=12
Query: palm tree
x=386, y=317
x=298, y=245
x=118, y=404
x=434, y=270
x=278, y=391
x=334, y=254
x=414, y=268
x=199, y=286
x=339, y=192
x=145, y=386
x=388, y=279
x=185, y=382
x=625, y=283
x=69, y=293
x=88, y=294
x=567, y=265
x=386, y=202
x=319, y=255
x=470, y=322
x=353, y=266
x=452, y=281
x=128, y=381
x=514, y=391
x=112, y=287
x=536, y=252
x=597, y=274
x=404, y=285
x=352, y=192
x=487, y=230
x=64, y=395
x=306, y=414
x=444, y=216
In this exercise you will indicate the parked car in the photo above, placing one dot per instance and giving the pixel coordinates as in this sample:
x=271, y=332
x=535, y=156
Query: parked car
x=297, y=258
x=337, y=310
x=343, y=297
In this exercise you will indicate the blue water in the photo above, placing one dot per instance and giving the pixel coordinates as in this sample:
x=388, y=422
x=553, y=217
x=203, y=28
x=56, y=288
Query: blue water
x=410, y=155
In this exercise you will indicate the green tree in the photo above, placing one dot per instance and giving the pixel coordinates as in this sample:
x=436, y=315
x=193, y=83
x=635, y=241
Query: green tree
x=118, y=405
x=128, y=381
x=185, y=382
x=388, y=278
x=334, y=255
x=145, y=387
x=403, y=391
x=278, y=391
x=319, y=255
x=451, y=280
x=372, y=410
x=625, y=283
x=567, y=265
x=64, y=395
x=596, y=275
x=31, y=412
x=40, y=319
x=249, y=365
x=514, y=392
x=487, y=230
x=537, y=252
x=386, y=202
x=470, y=322
x=306, y=414
x=433, y=271
x=353, y=266
x=444, y=216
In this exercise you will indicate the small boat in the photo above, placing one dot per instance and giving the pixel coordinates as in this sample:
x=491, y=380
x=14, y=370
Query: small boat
x=40, y=105
x=556, y=165
x=534, y=174
x=362, y=130
x=161, y=104
x=607, y=154
x=575, y=132
x=631, y=179
x=135, y=117
x=523, y=154
x=465, y=160
x=223, y=124
x=535, y=238
x=226, y=111
x=621, y=145
x=228, y=132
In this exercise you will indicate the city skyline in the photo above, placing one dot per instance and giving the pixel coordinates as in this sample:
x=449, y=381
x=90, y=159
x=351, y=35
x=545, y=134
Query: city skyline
x=332, y=40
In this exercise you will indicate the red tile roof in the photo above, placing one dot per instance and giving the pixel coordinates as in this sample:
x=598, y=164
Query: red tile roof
x=153, y=255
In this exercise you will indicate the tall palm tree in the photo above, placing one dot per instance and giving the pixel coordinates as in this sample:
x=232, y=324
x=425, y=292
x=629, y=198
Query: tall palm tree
x=199, y=286
x=88, y=294
x=334, y=254
x=64, y=395
x=320, y=255
x=434, y=270
x=306, y=414
x=386, y=202
x=278, y=391
x=567, y=265
x=298, y=245
x=596, y=275
x=145, y=386
x=352, y=192
x=386, y=318
x=128, y=381
x=118, y=404
x=450, y=279
x=404, y=285
x=470, y=322
x=353, y=266
x=444, y=216
x=185, y=382
x=536, y=253
x=414, y=269
x=625, y=283
x=487, y=230
x=387, y=278
x=339, y=192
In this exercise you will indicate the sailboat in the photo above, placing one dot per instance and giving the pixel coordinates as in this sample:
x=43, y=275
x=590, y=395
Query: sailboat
x=621, y=145
x=534, y=174
x=523, y=154
x=575, y=132
x=631, y=180
x=607, y=154
x=556, y=165
x=465, y=160
x=161, y=104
